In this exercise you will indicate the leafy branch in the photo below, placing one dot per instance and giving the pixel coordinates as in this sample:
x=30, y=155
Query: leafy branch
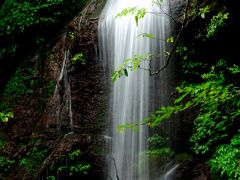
x=134, y=63
x=183, y=26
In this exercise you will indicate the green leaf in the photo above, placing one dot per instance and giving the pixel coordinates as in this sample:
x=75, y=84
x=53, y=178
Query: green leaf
x=126, y=72
x=148, y=35
x=170, y=39
x=203, y=11
x=136, y=20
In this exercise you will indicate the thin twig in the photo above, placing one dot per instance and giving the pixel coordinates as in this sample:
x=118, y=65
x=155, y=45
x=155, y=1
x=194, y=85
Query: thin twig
x=164, y=13
x=170, y=54
x=154, y=38
x=169, y=15
x=170, y=9
x=183, y=26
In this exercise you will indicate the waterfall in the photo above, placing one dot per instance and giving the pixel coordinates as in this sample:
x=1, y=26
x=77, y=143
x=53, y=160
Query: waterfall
x=135, y=96
x=62, y=96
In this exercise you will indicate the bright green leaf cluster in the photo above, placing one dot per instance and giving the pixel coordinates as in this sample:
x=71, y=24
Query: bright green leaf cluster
x=170, y=39
x=225, y=160
x=75, y=165
x=122, y=127
x=4, y=117
x=79, y=57
x=127, y=11
x=51, y=178
x=217, y=21
x=147, y=35
x=83, y=168
x=203, y=11
x=218, y=101
x=138, y=13
x=130, y=64
x=73, y=155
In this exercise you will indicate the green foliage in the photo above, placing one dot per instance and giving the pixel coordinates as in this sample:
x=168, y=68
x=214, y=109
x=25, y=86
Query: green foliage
x=157, y=140
x=217, y=21
x=225, y=160
x=189, y=67
x=32, y=20
x=79, y=58
x=72, y=35
x=159, y=147
x=33, y=159
x=170, y=39
x=127, y=11
x=21, y=83
x=2, y=143
x=4, y=117
x=219, y=107
x=5, y=166
x=73, y=155
x=121, y=128
x=79, y=168
x=74, y=166
x=147, y=35
x=160, y=115
x=130, y=64
x=138, y=13
x=49, y=87
x=25, y=14
x=217, y=99
x=181, y=49
x=51, y=178
x=203, y=11
x=235, y=69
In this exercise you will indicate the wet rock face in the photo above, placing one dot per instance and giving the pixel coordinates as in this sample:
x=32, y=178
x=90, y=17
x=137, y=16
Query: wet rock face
x=88, y=98
x=177, y=8
x=87, y=82
x=37, y=123
x=192, y=170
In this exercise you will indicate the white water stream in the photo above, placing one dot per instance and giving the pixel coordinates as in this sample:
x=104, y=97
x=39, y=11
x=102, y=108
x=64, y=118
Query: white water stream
x=133, y=97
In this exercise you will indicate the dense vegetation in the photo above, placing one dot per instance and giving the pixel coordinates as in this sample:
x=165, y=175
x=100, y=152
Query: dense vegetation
x=26, y=25
x=31, y=20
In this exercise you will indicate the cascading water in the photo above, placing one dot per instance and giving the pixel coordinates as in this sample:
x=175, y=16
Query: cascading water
x=133, y=98
x=62, y=95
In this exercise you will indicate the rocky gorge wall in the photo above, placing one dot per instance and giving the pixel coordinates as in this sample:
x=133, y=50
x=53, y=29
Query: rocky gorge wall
x=42, y=133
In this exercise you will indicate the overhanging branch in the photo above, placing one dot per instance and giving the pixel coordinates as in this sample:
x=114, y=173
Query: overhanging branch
x=183, y=26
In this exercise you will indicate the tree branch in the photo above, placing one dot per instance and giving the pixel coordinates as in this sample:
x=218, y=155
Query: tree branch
x=164, y=13
x=183, y=26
